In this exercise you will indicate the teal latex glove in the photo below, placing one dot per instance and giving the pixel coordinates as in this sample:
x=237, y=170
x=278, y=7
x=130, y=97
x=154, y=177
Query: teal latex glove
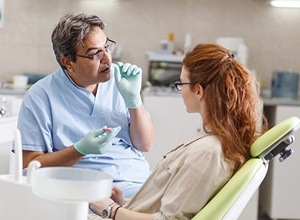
x=97, y=141
x=129, y=82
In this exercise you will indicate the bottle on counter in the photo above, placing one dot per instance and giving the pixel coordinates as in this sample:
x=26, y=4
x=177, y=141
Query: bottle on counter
x=167, y=45
x=171, y=45
x=187, y=42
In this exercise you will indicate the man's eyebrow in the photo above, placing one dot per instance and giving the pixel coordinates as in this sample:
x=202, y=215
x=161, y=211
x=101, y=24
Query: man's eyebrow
x=93, y=48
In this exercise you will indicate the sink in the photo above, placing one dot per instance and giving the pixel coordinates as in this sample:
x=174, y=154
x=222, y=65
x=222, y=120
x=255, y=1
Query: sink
x=70, y=184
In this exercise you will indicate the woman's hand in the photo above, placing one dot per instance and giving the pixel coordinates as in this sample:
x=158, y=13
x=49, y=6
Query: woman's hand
x=117, y=196
x=97, y=207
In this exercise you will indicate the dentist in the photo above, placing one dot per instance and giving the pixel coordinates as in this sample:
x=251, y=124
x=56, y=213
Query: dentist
x=88, y=113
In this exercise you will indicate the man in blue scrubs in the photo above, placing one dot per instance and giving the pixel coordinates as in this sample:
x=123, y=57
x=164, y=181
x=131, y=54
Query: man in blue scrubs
x=64, y=116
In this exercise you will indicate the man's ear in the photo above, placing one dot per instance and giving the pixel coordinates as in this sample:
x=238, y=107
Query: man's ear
x=199, y=90
x=67, y=63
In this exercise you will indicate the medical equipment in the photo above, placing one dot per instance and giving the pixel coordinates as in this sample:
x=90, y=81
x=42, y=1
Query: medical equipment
x=234, y=196
x=60, y=193
x=285, y=84
x=3, y=107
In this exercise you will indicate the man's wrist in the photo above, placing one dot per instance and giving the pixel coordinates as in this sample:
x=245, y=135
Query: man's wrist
x=78, y=149
x=135, y=103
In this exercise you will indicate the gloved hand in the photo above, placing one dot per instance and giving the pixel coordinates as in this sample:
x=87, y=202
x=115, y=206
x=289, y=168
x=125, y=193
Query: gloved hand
x=129, y=82
x=96, y=141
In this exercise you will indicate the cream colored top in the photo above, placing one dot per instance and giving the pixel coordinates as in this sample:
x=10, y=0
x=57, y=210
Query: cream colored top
x=184, y=181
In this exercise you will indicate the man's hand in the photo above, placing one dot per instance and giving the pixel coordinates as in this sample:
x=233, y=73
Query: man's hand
x=97, y=141
x=129, y=82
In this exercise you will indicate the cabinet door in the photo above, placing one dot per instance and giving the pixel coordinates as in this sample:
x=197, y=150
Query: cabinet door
x=7, y=128
x=172, y=124
x=12, y=104
x=280, y=194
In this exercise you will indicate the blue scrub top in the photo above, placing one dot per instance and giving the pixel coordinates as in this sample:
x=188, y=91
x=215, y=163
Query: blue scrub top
x=56, y=113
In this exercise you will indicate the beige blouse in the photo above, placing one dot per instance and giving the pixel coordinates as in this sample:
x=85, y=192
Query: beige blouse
x=184, y=180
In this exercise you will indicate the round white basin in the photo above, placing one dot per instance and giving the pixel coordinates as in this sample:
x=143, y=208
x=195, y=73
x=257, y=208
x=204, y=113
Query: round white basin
x=71, y=184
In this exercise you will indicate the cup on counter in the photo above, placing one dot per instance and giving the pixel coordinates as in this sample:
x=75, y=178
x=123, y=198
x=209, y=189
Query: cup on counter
x=20, y=82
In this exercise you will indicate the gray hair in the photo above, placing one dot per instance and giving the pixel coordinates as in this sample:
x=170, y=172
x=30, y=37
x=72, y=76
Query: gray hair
x=71, y=30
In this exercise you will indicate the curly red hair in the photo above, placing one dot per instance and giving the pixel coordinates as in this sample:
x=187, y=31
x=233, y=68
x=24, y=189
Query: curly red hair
x=232, y=101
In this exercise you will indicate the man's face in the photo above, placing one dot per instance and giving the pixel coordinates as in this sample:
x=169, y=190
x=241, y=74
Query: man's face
x=87, y=72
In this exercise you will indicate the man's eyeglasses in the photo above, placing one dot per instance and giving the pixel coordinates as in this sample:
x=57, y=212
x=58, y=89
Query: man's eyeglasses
x=178, y=85
x=109, y=47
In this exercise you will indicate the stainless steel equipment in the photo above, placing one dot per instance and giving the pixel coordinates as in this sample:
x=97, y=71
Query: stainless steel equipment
x=285, y=84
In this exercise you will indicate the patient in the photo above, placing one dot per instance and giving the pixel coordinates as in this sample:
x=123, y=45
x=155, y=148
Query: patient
x=226, y=95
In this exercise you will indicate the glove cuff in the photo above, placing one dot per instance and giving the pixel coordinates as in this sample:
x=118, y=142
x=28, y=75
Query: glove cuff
x=77, y=147
x=132, y=104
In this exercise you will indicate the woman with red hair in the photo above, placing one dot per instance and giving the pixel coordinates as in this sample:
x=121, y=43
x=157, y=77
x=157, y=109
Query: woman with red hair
x=226, y=95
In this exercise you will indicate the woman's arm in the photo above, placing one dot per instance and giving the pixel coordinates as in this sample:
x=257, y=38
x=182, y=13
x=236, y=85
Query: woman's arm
x=118, y=212
x=126, y=214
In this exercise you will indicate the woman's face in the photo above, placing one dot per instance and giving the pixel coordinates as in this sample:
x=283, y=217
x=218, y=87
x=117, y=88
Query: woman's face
x=190, y=97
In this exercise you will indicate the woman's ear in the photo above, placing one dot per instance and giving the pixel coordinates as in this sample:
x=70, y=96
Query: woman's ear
x=67, y=63
x=199, y=91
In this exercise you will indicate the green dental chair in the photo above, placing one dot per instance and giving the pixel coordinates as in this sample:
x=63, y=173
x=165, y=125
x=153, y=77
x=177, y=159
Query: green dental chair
x=230, y=201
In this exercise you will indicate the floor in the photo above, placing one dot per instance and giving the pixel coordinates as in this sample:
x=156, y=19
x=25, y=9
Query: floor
x=263, y=216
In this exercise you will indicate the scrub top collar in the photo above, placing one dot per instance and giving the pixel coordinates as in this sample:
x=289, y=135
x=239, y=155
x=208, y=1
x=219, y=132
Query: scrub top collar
x=74, y=84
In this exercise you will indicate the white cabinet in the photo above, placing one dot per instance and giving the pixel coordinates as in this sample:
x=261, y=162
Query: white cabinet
x=7, y=128
x=173, y=125
x=279, y=193
x=12, y=103
x=8, y=125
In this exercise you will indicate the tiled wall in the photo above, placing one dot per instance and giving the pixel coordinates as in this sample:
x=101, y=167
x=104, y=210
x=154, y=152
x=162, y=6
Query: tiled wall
x=271, y=34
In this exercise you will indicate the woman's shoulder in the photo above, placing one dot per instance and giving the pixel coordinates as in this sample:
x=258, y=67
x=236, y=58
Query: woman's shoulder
x=205, y=142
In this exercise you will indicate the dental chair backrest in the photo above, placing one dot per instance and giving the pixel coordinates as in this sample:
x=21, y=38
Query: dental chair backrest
x=234, y=196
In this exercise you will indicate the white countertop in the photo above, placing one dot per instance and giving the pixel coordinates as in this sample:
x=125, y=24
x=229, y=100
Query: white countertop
x=164, y=57
x=281, y=101
x=10, y=91
x=160, y=91
x=168, y=91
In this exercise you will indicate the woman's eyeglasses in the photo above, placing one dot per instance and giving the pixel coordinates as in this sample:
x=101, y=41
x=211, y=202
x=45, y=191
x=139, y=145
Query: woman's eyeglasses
x=178, y=85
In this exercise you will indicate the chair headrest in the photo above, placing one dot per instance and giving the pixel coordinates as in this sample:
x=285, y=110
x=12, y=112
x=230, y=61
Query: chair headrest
x=273, y=137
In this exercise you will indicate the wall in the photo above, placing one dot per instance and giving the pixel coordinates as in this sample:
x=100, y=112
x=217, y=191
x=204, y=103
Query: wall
x=271, y=34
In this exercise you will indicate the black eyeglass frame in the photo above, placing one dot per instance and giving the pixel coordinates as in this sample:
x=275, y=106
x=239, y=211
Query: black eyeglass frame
x=93, y=56
x=178, y=83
